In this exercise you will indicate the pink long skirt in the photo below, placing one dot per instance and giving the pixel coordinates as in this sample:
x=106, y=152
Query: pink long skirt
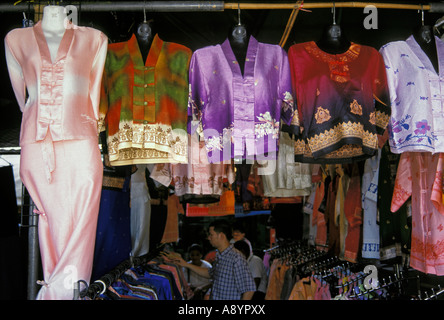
x=68, y=204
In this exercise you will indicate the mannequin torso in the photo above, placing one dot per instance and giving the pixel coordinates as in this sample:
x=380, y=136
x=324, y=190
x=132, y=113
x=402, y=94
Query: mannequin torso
x=239, y=39
x=144, y=35
x=426, y=40
x=53, y=25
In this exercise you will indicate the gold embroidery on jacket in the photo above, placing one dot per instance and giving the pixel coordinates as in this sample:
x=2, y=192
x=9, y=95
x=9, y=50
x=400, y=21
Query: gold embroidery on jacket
x=322, y=115
x=356, y=108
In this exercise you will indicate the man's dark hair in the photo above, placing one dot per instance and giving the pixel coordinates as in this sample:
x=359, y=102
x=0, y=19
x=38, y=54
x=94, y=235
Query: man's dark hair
x=243, y=247
x=222, y=226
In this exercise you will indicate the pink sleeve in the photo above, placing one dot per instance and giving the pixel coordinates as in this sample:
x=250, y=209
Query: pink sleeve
x=403, y=183
x=95, y=86
x=15, y=71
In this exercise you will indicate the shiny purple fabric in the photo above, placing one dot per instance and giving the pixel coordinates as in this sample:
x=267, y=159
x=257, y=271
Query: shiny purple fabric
x=239, y=116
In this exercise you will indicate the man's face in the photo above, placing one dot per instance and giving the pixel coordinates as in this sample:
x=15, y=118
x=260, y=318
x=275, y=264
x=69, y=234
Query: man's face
x=214, y=237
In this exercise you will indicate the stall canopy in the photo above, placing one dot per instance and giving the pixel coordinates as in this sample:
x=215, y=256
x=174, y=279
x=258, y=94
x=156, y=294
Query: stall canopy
x=197, y=24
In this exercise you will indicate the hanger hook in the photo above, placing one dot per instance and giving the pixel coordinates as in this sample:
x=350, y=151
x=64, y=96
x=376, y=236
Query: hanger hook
x=238, y=14
x=422, y=15
x=333, y=9
x=144, y=12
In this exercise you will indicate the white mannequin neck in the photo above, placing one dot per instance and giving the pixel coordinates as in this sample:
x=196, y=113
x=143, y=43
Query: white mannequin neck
x=54, y=18
x=53, y=26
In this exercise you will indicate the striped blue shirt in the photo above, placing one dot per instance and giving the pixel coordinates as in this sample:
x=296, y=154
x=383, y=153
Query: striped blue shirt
x=231, y=275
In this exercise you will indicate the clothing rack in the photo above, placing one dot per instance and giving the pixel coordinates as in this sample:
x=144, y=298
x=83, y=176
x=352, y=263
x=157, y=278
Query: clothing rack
x=99, y=286
x=215, y=6
x=434, y=294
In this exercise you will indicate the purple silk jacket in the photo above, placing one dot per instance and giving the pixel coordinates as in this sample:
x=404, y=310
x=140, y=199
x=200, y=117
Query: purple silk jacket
x=238, y=116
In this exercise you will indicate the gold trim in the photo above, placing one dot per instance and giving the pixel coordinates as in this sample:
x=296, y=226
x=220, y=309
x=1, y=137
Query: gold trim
x=340, y=131
x=330, y=137
x=147, y=143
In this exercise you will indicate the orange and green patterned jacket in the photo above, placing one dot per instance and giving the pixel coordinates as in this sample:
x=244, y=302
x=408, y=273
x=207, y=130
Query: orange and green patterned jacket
x=143, y=107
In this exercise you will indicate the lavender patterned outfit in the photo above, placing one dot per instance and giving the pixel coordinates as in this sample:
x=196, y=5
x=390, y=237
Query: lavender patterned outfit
x=416, y=94
x=238, y=115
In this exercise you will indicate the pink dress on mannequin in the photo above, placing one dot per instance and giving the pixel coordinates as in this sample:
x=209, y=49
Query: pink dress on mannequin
x=60, y=159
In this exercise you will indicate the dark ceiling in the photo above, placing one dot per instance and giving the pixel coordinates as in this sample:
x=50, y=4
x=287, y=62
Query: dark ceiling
x=199, y=29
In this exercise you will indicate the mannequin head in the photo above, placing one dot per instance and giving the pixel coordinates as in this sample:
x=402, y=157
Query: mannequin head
x=333, y=40
x=239, y=35
x=144, y=32
x=424, y=34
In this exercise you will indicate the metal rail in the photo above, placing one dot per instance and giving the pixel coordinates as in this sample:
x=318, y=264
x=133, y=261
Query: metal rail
x=209, y=6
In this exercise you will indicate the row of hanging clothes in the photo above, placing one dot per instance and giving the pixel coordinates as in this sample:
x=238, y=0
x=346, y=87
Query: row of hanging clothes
x=301, y=272
x=147, y=277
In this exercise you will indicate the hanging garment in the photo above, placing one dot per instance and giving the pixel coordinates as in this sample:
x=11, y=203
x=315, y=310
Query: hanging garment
x=284, y=177
x=225, y=206
x=143, y=103
x=239, y=116
x=336, y=97
x=339, y=223
x=419, y=176
x=416, y=97
x=319, y=219
x=276, y=279
x=304, y=289
x=60, y=161
x=309, y=225
x=174, y=208
x=113, y=236
x=369, y=193
x=353, y=215
x=394, y=228
x=198, y=177
x=140, y=212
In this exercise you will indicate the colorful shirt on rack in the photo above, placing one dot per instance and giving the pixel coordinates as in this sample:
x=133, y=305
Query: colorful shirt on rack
x=416, y=97
x=239, y=115
x=336, y=97
x=143, y=105
x=419, y=176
